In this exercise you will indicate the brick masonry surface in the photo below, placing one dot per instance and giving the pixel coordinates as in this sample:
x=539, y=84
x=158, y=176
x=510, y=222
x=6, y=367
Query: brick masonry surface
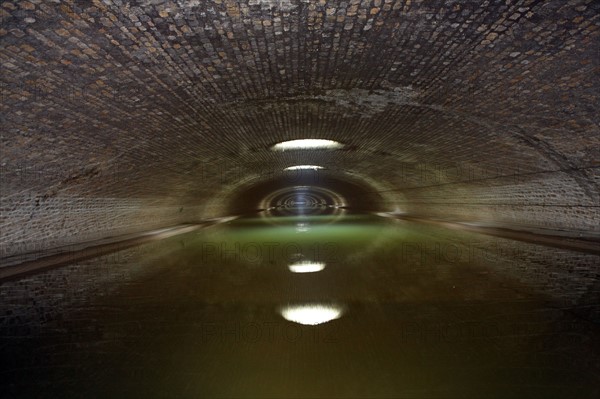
x=119, y=116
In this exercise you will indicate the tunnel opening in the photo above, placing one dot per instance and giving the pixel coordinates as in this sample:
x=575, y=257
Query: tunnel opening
x=306, y=191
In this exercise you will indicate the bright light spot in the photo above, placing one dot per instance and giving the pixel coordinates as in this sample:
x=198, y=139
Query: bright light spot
x=302, y=227
x=306, y=267
x=311, y=315
x=302, y=167
x=307, y=144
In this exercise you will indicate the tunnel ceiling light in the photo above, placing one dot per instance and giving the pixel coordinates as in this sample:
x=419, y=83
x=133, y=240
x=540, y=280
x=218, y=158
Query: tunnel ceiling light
x=306, y=267
x=307, y=144
x=313, y=314
x=302, y=167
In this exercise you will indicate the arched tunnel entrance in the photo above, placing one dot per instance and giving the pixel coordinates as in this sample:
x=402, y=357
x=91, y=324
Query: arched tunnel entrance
x=300, y=199
x=305, y=191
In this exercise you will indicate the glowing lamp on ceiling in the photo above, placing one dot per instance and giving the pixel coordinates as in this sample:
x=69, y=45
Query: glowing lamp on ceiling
x=304, y=167
x=307, y=144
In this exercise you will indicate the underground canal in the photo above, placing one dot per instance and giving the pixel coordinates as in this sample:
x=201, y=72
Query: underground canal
x=308, y=297
x=300, y=199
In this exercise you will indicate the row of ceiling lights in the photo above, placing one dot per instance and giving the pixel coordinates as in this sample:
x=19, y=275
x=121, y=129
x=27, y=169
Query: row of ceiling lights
x=306, y=144
x=309, y=314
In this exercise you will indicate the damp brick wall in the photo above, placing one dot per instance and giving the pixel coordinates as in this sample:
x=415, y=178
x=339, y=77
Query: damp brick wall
x=117, y=114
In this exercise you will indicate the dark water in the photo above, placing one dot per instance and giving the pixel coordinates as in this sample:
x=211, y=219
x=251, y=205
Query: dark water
x=346, y=306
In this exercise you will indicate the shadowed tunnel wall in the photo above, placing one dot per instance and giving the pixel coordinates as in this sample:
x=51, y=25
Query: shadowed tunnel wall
x=120, y=117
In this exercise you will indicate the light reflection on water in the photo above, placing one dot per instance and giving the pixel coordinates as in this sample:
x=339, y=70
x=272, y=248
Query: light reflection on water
x=302, y=227
x=306, y=267
x=312, y=314
x=239, y=310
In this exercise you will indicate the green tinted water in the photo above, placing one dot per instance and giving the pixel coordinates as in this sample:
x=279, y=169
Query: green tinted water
x=351, y=306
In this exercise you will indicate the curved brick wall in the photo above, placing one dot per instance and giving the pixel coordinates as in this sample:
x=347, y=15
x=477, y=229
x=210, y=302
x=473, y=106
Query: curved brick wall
x=120, y=116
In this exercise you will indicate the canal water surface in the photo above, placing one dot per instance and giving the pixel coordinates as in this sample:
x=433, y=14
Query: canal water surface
x=355, y=306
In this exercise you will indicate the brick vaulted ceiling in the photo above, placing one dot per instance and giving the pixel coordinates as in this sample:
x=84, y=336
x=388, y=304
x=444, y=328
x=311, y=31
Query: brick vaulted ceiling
x=118, y=115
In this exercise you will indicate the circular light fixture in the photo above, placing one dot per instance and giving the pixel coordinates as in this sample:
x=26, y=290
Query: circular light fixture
x=307, y=144
x=304, y=167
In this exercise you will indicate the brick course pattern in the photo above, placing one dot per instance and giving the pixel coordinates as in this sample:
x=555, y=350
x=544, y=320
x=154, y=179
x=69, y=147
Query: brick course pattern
x=122, y=113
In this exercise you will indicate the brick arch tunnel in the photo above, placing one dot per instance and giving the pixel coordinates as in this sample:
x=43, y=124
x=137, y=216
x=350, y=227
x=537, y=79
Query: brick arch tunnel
x=466, y=130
